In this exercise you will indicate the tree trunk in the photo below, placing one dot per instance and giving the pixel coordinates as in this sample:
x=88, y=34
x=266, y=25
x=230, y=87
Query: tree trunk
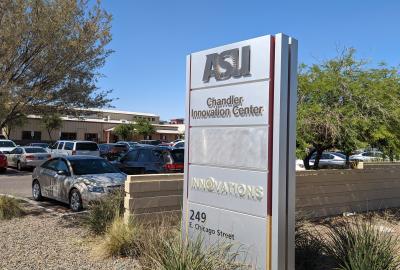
x=347, y=165
x=307, y=159
x=51, y=139
x=317, y=158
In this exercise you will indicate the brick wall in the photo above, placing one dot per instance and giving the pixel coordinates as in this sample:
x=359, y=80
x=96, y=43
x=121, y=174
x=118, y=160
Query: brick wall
x=153, y=195
x=333, y=192
x=318, y=193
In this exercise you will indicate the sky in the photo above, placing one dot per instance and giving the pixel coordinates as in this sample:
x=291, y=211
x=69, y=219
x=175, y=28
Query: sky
x=151, y=39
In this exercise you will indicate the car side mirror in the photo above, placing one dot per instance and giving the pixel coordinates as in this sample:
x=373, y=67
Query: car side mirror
x=64, y=173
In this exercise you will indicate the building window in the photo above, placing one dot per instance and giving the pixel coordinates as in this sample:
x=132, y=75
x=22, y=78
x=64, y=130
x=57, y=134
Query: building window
x=32, y=135
x=91, y=137
x=68, y=136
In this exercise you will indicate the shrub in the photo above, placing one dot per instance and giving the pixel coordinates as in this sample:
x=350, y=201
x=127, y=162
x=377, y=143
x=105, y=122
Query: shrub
x=103, y=212
x=358, y=244
x=120, y=239
x=309, y=247
x=172, y=254
x=10, y=208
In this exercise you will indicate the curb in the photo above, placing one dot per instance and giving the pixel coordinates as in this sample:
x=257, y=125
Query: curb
x=37, y=204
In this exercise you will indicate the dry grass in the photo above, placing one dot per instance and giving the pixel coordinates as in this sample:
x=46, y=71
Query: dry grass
x=119, y=239
x=357, y=243
x=349, y=242
x=103, y=212
x=158, y=246
x=10, y=208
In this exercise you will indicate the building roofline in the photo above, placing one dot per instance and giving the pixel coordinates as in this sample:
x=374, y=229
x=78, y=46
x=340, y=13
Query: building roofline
x=119, y=111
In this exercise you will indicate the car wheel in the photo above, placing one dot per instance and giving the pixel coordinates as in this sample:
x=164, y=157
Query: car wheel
x=3, y=170
x=36, y=191
x=19, y=166
x=75, y=200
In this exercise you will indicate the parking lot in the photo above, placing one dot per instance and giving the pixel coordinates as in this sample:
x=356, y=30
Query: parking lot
x=19, y=184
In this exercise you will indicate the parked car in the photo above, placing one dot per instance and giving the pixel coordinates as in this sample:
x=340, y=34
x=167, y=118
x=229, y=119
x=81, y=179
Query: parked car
x=151, y=142
x=43, y=145
x=6, y=146
x=151, y=159
x=329, y=160
x=300, y=165
x=128, y=143
x=76, y=180
x=27, y=157
x=71, y=148
x=179, y=144
x=368, y=156
x=3, y=163
x=111, y=151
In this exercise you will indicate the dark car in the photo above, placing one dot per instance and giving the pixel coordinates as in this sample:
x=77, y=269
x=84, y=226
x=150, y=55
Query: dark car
x=151, y=159
x=150, y=142
x=3, y=163
x=128, y=144
x=112, y=151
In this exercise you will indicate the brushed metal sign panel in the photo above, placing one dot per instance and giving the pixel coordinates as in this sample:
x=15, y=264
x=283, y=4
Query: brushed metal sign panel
x=235, y=147
x=259, y=63
x=219, y=226
x=239, y=104
x=237, y=190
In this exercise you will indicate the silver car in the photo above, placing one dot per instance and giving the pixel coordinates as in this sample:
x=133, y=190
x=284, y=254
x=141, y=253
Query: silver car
x=27, y=157
x=76, y=180
x=330, y=160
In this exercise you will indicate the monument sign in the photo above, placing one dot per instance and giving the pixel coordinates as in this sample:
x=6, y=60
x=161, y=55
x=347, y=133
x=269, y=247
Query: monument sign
x=240, y=158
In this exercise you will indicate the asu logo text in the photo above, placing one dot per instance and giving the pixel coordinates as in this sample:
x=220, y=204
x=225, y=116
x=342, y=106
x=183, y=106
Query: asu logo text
x=225, y=65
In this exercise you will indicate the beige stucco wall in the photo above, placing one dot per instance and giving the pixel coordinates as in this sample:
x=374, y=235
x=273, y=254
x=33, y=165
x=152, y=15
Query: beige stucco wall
x=79, y=127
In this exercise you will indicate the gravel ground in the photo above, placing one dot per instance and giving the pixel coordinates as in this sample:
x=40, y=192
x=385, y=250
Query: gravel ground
x=43, y=240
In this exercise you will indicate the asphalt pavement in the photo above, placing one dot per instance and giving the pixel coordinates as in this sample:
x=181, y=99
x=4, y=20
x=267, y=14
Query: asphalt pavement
x=16, y=183
x=19, y=184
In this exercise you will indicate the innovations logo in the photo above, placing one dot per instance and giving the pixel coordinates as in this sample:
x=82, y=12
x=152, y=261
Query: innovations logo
x=228, y=188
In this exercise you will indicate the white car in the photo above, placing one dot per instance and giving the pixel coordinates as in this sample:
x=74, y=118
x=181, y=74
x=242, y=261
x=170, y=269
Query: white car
x=27, y=157
x=368, y=156
x=6, y=146
x=300, y=165
x=72, y=148
x=330, y=160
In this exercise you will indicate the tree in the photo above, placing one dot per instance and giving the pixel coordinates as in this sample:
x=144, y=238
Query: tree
x=345, y=105
x=51, y=122
x=17, y=122
x=124, y=131
x=144, y=127
x=50, y=53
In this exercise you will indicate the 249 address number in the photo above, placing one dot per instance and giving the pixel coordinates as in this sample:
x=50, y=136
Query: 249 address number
x=199, y=216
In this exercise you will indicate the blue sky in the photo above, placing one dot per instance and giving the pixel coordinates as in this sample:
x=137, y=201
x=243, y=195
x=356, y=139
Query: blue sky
x=152, y=38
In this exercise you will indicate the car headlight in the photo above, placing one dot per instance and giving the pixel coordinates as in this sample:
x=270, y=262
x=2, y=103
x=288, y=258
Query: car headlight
x=95, y=189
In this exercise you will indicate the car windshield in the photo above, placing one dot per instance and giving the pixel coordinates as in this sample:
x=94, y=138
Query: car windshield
x=35, y=150
x=92, y=166
x=87, y=147
x=7, y=144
